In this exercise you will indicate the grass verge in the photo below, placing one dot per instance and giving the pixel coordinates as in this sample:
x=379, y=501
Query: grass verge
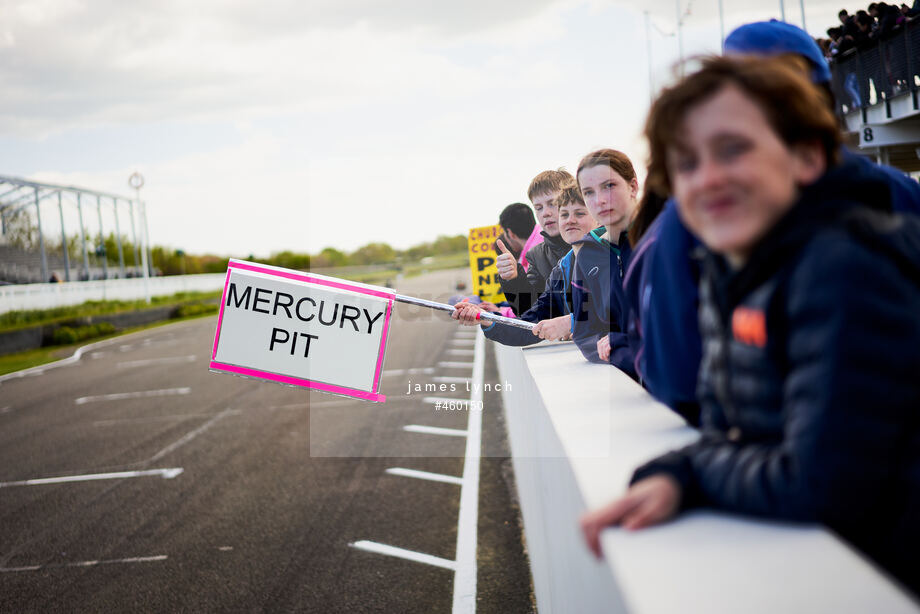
x=33, y=358
x=13, y=320
x=437, y=263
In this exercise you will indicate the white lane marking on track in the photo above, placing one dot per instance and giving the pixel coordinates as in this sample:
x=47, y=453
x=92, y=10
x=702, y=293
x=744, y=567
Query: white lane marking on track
x=289, y=406
x=402, y=553
x=118, y=396
x=309, y=404
x=455, y=365
x=147, y=343
x=468, y=522
x=190, y=435
x=133, y=559
x=333, y=403
x=461, y=342
x=128, y=364
x=6, y=410
x=425, y=475
x=447, y=379
x=225, y=548
x=166, y=474
x=460, y=352
x=416, y=371
x=434, y=430
x=155, y=418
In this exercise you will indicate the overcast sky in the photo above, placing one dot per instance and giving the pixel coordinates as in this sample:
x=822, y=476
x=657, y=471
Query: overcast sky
x=298, y=125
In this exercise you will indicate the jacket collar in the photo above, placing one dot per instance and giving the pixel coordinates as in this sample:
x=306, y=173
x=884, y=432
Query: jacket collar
x=594, y=238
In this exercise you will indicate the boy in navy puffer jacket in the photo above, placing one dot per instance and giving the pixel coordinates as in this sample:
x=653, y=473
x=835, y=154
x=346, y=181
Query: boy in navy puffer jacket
x=810, y=319
x=663, y=283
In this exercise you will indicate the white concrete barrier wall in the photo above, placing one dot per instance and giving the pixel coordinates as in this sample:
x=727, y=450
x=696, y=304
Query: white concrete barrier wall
x=46, y=296
x=577, y=431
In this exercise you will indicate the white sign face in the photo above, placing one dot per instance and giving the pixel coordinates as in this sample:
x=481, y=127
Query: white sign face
x=303, y=330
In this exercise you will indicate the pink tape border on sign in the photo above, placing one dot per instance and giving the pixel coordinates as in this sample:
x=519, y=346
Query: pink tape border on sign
x=303, y=383
x=294, y=381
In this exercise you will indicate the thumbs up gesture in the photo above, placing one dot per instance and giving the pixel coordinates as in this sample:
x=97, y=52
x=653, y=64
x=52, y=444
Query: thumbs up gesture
x=507, y=265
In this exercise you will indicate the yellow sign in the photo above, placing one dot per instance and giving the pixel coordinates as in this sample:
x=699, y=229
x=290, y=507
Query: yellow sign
x=486, y=282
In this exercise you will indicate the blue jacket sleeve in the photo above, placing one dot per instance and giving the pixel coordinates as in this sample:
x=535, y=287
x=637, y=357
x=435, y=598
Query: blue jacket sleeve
x=597, y=312
x=621, y=352
x=585, y=332
x=668, y=302
x=510, y=335
x=850, y=394
x=550, y=304
x=621, y=355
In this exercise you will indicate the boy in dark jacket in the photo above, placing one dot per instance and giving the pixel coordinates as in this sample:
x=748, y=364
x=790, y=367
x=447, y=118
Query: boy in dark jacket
x=553, y=309
x=810, y=295
x=525, y=280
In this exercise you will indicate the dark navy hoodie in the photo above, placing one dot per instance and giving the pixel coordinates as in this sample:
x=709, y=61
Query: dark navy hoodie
x=598, y=300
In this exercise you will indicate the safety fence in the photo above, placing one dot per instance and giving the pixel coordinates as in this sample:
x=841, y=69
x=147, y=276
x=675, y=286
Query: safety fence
x=47, y=296
x=874, y=73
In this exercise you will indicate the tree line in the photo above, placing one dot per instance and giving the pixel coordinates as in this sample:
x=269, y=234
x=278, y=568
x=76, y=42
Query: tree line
x=172, y=261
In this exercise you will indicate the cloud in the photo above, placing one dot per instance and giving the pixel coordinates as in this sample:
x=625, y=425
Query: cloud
x=67, y=64
x=299, y=125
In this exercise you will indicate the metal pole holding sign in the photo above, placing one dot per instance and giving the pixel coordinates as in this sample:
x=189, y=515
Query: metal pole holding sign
x=485, y=315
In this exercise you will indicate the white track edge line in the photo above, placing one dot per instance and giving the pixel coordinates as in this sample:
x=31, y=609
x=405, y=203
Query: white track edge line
x=133, y=559
x=402, y=553
x=166, y=474
x=425, y=475
x=464, y=601
x=434, y=430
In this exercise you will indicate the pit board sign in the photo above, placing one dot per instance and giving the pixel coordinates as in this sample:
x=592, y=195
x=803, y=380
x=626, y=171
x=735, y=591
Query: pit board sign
x=486, y=282
x=302, y=329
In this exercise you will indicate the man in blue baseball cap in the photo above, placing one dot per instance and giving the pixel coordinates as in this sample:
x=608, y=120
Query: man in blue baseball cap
x=661, y=281
x=776, y=37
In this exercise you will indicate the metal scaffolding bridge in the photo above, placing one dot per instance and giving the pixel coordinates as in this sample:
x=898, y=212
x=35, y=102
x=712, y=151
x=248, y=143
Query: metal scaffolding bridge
x=20, y=197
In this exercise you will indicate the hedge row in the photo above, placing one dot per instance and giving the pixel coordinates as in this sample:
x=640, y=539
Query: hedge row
x=66, y=335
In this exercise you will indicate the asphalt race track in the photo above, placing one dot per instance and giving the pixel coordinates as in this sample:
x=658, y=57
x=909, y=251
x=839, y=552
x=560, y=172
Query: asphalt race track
x=136, y=480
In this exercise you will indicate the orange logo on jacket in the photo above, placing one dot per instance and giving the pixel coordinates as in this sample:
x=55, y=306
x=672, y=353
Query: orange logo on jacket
x=749, y=326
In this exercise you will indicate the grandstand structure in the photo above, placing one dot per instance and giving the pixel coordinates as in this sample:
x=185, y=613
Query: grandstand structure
x=53, y=232
x=877, y=89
